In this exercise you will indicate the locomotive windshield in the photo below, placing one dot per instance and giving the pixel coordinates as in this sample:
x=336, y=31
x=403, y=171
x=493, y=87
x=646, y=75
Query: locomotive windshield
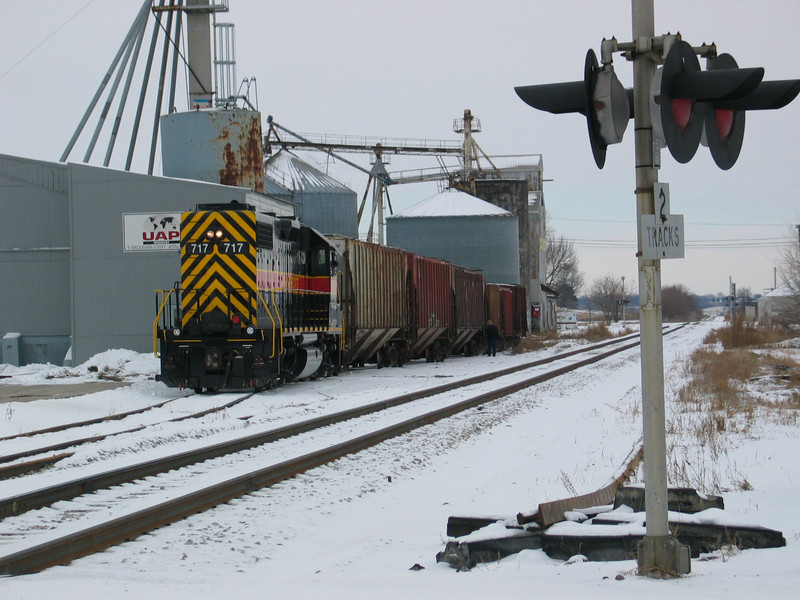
x=319, y=262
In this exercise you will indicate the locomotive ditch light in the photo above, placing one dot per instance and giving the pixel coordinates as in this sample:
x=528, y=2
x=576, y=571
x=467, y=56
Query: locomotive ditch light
x=250, y=330
x=176, y=332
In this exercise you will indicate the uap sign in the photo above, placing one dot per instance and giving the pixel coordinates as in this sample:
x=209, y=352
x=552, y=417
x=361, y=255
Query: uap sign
x=148, y=232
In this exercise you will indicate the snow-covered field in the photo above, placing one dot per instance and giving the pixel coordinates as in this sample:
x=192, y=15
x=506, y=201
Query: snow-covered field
x=355, y=528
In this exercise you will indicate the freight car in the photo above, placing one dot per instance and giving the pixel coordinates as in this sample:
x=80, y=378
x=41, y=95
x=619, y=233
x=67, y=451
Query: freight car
x=265, y=299
x=506, y=308
x=399, y=306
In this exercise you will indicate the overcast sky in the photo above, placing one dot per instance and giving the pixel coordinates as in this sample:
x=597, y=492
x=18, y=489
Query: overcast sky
x=407, y=69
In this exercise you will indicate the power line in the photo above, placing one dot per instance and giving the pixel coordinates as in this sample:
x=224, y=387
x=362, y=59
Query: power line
x=695, y=245
x=701, y=224
x=40, y=44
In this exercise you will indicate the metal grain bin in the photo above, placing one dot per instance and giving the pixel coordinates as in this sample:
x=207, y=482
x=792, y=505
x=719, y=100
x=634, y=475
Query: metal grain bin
x=431, y=314
x=322, y=202
x=470, y=310
x=373, y=292
x=463, y=230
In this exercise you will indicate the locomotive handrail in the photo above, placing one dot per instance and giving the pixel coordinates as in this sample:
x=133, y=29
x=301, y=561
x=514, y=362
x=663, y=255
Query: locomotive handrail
x=278, y=313
x=343, y=338
x=272, y=319
x=165, y=294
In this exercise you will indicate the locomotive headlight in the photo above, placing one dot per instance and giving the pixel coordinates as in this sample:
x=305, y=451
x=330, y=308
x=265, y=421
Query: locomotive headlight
x=218, y=233
x=250, y=330
x=176, y=332
x=209, y=234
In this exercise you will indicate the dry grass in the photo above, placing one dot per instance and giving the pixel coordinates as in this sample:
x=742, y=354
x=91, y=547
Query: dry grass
x=536, y=342
x=745, y=334
x=739, y=381
x=596, y=332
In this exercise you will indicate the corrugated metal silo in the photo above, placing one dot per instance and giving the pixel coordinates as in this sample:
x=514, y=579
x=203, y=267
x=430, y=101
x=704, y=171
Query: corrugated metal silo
x=322, y=202
x=462, y=229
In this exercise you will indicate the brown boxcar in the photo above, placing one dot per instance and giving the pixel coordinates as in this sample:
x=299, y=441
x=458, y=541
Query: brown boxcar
x=373, y=293
x=431, y=306
x=470, y=317
x=520, y=308
x=506, y=307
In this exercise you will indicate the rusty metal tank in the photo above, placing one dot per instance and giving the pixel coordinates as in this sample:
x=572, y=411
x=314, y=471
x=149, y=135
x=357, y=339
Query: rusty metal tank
x=218, y=146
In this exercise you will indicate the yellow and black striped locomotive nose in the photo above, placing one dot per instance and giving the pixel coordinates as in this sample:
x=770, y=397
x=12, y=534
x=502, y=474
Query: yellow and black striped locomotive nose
x=218, y=265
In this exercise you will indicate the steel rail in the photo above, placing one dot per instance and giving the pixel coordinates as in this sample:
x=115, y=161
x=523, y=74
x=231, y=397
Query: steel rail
x=96, y=438
x=65, y=426
x=99, y=537
x=34, y=499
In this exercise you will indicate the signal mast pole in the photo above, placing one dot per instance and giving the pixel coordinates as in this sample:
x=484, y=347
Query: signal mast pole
x=658, y=552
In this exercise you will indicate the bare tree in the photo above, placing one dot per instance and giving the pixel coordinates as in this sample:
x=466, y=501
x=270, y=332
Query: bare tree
x=563, y=273
x=605, y=295
x=789, y=313
x=679, y=304
x=745, y=293
x=790, y=262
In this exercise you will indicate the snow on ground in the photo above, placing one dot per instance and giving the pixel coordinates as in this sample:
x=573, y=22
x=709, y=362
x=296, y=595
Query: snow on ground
x=111, y=365
x=354, y=529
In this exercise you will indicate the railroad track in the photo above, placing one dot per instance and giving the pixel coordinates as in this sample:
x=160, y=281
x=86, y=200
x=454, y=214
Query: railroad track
x=156, y=513
x=45, y=496
x=71, y=439
x=72, y=442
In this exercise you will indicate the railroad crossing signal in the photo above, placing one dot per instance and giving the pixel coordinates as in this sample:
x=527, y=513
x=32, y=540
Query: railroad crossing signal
x=600, y=97
x=687, y=105
x=684, y=103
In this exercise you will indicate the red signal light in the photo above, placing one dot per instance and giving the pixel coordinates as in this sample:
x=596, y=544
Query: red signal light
x=724, y=120
x=682, y=112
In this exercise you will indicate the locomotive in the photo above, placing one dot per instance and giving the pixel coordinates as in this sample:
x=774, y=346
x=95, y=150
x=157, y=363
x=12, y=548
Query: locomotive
x=256, y=304
x=264, y=300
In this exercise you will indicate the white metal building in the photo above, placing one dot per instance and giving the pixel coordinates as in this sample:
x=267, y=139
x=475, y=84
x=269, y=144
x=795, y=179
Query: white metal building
x=82, y=250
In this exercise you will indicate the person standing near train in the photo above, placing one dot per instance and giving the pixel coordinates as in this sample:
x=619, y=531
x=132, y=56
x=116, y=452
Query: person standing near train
x=492, y=338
